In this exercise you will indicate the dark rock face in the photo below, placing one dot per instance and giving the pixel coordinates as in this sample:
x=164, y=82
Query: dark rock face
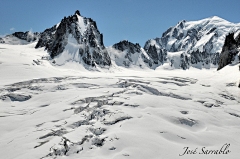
x=204, y=57
x=130, y=50
x=159, y=56
x=152, y=52
x=162, y=55
x=84, y=31
x=28, y=36
x=184, y=61
x=238, y=39
x=46, y=38
x=125, y=45
x=229, y=50
x=77, y=12
x=1, y=40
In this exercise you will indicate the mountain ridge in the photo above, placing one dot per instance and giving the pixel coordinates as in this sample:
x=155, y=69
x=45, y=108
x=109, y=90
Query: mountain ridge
x=200, y=40
x=187, y=44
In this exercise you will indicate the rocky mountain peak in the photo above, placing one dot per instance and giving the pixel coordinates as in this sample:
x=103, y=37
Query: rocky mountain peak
x=77, y=12
x=76, y=38
x=123, y=45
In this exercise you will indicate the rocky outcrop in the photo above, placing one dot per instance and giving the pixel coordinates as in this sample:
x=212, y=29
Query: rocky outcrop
x=76, y=32
x=28, y=36
x=20, y=38
x=159, y=56
x=125, y=45
x=128, y=54
x=152, y=52
x=46, y=38
x=1, y=40
x=229, y=51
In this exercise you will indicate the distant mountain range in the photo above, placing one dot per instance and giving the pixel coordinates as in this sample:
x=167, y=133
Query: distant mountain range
x=207, y=43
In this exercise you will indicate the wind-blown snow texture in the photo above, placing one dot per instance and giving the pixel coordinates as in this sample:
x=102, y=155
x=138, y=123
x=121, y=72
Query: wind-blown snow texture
x=200, y=42
x=66, y=111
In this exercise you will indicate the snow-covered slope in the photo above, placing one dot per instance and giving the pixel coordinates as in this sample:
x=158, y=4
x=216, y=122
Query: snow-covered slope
x=20, y=38
x=201, y=41
x=75, y=38
x=55, y=112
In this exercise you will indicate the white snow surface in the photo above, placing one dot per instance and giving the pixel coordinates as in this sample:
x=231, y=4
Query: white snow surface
x=236, y=34
x=223, y=27
x=65, y=111
x=10, y=39
x=70, y=53
x=200, y=44
x=81, y=24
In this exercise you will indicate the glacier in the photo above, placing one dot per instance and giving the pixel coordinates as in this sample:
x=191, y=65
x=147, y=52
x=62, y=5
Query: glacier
x=63, y=94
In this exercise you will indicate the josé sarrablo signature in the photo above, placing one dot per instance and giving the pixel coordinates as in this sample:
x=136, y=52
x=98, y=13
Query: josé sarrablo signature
x=205, y=151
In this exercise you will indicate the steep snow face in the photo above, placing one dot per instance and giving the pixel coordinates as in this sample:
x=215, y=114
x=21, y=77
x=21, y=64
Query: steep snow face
x=237, y=34
x=82, y=25
x=88, y=44
x=127, y=54
x=202, y=40
x=70, y=53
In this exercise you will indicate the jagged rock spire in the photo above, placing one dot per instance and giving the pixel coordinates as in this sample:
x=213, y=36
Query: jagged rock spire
x=76, y=38
x=77, y=12
x=229, y=51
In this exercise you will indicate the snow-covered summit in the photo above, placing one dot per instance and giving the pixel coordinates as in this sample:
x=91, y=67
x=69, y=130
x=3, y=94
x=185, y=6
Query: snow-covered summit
x=206, y=35
x=200, y=41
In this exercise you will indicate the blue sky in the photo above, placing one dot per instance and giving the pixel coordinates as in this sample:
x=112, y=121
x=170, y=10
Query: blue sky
x=132, y=20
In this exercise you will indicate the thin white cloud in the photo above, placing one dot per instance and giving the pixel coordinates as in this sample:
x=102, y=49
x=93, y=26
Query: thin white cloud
x=11, y=29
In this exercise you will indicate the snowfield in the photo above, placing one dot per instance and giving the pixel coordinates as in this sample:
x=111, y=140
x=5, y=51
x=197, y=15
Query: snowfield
x=49, y=111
